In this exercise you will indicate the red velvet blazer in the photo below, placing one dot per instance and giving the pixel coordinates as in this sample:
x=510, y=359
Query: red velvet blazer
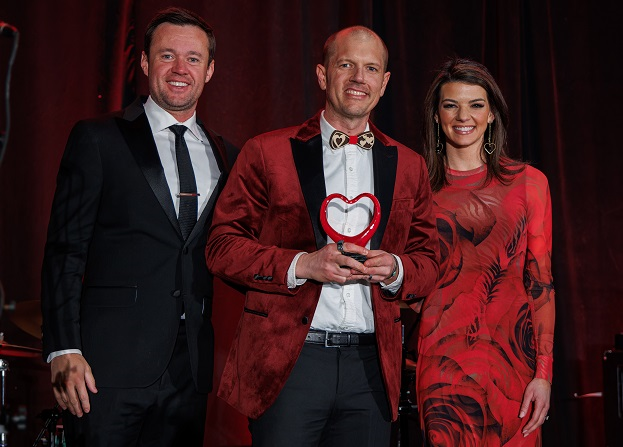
x=267, y=213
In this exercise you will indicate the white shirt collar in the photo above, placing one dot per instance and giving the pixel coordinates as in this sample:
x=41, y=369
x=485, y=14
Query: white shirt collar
x=160, y=119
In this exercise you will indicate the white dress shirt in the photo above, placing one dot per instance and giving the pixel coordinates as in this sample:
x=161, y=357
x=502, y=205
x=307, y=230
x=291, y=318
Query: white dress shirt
x=204, y=163
x=347, y=171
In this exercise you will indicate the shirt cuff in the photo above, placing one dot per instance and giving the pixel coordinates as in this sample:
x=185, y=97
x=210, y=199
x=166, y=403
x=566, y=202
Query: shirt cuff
x=55, y=354
x=293, y=281
x=395, y=286
x=544, y=368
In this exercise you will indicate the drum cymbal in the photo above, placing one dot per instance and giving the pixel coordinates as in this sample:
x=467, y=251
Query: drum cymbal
x=27, y=317
x=8, y=350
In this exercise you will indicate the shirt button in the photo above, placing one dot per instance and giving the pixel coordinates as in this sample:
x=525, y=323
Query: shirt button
x=304, y=320
x=348, y=230
x=348, y=295
x=350, y=169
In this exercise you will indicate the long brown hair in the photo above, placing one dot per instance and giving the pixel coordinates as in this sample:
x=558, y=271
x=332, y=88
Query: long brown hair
x=467, y=71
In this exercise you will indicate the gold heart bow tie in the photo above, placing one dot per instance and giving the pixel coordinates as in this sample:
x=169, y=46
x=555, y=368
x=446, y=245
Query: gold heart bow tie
x=364, y=140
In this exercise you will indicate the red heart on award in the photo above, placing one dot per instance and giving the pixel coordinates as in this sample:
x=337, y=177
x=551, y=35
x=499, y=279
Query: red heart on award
x=360, y=239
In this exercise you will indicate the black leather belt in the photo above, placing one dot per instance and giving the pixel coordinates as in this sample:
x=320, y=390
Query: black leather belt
x=339, y=339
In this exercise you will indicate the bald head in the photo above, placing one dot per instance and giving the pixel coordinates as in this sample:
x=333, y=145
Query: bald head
x=354, y=77
x=360, y=32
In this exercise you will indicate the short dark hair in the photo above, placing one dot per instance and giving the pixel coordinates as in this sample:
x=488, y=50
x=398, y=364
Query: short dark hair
x=183, y=17
x=467, y=71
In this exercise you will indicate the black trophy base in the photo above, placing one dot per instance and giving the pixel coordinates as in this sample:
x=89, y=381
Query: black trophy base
x=356, y=256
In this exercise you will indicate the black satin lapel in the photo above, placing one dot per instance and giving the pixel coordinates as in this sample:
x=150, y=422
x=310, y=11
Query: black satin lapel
x=218, y=149
x=308, y=160
x=140, y=140
x=385, y=161
x=207, y=210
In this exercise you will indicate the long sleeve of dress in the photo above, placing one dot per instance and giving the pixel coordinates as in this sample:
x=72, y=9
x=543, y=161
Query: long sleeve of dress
x=538, y=273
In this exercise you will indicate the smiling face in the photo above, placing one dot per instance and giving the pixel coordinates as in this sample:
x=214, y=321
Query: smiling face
x=354, y=79
x=463, y=114
x=177, y=68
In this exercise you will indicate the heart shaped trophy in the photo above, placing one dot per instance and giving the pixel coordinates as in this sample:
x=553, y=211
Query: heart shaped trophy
x=360, y=239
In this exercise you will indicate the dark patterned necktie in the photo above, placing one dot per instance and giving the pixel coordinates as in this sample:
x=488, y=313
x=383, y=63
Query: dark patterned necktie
x=364, y=140
x=187, y=216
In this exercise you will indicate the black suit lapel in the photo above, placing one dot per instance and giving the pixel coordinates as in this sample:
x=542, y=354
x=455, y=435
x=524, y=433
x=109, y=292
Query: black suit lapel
x=138, y=135
x=220, y=153
x=207, y=210
x=140, y=140
x=223, y=156
x=385, y=162
x=309, y=166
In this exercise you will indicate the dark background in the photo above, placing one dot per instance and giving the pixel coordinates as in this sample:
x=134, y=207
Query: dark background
x=558, y=63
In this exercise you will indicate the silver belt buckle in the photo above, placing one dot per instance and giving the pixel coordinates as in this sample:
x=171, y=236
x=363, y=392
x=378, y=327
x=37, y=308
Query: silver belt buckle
x=326, y=341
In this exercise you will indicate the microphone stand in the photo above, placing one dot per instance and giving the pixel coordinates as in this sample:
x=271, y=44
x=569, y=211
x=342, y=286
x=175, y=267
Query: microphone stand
x=52, y=416
x=4, y=416
x=11, y=31
x=8, y=30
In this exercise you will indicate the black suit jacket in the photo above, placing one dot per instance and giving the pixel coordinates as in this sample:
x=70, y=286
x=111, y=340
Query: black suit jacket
x=117, y=274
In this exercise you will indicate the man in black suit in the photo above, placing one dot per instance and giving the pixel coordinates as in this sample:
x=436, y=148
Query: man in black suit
x=126, y=295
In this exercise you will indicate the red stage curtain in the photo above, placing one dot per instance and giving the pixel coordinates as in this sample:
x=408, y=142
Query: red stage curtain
x=557, y=62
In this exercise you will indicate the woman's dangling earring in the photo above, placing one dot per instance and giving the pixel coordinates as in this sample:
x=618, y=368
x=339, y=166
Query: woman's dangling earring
x=489, y=146
x=439, y=146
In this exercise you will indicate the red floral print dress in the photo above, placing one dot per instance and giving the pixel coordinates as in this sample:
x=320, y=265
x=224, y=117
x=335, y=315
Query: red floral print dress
x=488, y=328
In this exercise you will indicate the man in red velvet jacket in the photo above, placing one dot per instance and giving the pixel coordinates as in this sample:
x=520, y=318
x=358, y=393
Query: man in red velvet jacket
x=317, y=353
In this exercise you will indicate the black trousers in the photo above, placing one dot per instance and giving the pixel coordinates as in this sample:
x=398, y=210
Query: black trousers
x=334, y=397
x=168, y=413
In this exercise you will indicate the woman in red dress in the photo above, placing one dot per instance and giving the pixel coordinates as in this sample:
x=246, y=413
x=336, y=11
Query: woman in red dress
x=486, y=333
